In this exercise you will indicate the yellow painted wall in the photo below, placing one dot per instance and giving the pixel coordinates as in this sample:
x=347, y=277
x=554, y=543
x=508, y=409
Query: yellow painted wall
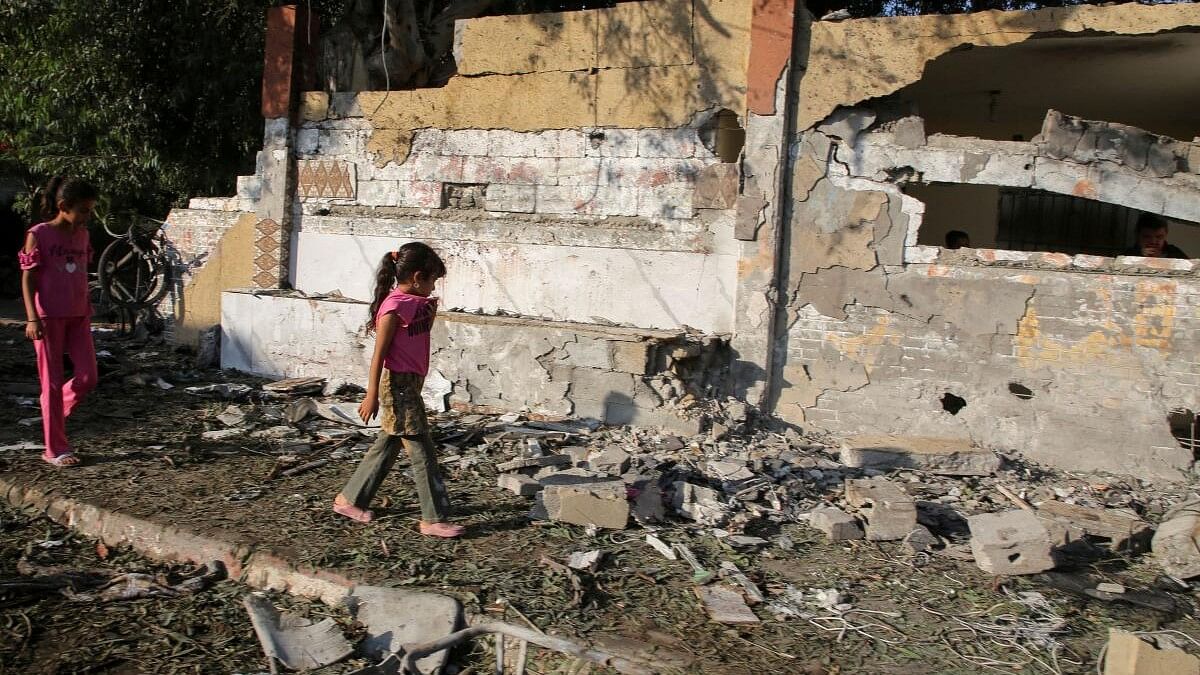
x=231, y=265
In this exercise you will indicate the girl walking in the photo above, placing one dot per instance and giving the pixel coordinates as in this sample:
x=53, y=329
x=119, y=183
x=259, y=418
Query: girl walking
x=54, y=284
x=401, y=316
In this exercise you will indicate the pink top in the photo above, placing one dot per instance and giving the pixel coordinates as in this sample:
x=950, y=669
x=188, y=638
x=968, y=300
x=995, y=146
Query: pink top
x=409, y=351
x=61, y=259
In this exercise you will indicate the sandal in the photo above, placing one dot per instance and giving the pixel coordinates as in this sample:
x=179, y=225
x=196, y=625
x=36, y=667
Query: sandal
x=443, y=530
x=353, y=512
x=65, y=459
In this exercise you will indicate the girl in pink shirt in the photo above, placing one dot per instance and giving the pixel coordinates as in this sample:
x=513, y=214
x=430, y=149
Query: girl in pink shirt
x=402, y=316
x=54, y=284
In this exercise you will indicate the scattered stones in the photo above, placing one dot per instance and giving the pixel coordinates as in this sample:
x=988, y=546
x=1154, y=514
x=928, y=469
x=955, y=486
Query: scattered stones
x=1125, y=532
x=527, y=462
x=1010, y=543
x=612, y=460
x=584, y=560
x=1127, y=654
x=699, y=503
x=835, y=523
x=889, y=511
x=725, y=605
x=599, y=504
x=948, y=456
x=1176, y=545
x=519, y=484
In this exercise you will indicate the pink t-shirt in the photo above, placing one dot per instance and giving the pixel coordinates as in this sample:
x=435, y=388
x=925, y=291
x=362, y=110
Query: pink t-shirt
x=409, y=351
x=61, y=259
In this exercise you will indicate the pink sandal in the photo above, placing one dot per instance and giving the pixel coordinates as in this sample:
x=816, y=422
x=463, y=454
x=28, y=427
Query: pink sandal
x=443, y=530
x=65, y=459
x=353, y=512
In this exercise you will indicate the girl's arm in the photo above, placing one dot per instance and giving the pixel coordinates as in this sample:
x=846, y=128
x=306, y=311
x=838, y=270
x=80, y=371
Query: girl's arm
x=385, y=329
x=33, y=327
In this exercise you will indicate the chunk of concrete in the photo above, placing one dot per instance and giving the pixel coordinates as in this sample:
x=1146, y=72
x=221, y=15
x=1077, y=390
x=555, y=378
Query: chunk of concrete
x=293, y=640
x=699, y=503
x=395, y=618
x=648, y=505
x=600, y=504
x=1124, y=531
x=612, y=460
x=1010, y=543
x=1176, y=545
x=847, y=123
x=527, y=462
x=1127, y=654
x=909, y=132
x=728, y=471
x=947, y=456
x=519, y=484
x=889, y=511
x=835, y=523
x=725, y=605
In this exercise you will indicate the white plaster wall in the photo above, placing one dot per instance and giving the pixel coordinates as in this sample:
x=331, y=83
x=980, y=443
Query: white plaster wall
x=644, y=288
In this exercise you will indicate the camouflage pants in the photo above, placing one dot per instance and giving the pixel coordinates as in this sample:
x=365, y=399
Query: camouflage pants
x=404, y=425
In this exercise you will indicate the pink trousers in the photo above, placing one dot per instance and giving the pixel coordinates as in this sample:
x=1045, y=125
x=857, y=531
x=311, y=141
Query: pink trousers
x=72, y=336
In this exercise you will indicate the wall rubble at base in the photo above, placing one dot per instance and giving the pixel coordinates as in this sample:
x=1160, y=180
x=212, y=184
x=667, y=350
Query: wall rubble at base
x=609, y=373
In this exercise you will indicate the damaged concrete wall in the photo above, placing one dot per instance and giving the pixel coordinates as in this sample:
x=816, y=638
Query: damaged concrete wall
x=556, y=369
x=1076, y=361
x=581, y=171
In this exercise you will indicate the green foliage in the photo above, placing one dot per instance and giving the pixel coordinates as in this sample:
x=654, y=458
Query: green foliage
x=153, y=101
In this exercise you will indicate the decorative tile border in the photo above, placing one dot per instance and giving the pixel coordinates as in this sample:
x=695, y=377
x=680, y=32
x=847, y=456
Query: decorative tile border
x=328, y=179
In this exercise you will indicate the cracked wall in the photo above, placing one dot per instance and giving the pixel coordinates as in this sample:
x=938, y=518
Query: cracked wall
x=880, y=329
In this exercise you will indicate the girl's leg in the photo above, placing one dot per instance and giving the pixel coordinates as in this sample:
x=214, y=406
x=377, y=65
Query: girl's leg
x=50, y=371
x=371, y=471
x=83, y=357
x=431, y=491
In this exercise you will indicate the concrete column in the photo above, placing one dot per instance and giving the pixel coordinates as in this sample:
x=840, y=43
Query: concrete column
x=760, y=213
x=288, y=69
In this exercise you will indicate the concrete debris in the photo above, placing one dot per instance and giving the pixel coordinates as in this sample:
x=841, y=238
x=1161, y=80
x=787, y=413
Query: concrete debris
x=295, y=386
x=920, y=539
x=23, y=445
x=1176, y=544
x=585, y=560
x=232, y=417
x=344, y=413
x=1123, y=532
x=221, y=434
x=661, y=546
x=948, y=456
x=519, y=484
x=728, y=471
x=612, y=460
x=396, y=618
x=334, y=387
x=294, y=641
x=889, y=511
x=749, y=589
x=299, y=409
x=530, y=462
x=835, y=523
x=600, y=504
x=725, y=605
x=224, y=390
x=1107, y=587
x=699, y=503
x=1128, y=654
x=1011, y=543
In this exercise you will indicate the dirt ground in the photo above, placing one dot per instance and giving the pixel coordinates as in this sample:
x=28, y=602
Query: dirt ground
x=911, y=613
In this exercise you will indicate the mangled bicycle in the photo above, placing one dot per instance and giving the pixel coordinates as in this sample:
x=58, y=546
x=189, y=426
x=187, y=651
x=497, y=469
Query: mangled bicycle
x=133, y=274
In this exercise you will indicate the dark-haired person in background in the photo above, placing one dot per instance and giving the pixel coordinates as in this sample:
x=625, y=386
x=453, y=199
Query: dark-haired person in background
x=1152, y=239
x=957, y=239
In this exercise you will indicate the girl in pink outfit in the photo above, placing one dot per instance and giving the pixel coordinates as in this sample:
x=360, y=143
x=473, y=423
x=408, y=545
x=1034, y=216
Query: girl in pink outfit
x=401, y=315
x=54, y=284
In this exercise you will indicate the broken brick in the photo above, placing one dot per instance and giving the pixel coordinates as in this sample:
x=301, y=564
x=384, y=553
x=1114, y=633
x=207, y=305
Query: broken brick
x=1011, y=542
x=889, y=511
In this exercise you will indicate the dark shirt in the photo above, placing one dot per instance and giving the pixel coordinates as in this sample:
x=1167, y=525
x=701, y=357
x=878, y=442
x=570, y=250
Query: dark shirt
x=1169, y=251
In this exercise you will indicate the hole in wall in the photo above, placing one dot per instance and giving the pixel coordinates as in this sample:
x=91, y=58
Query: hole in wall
x=1184, y=428
x=1020, y=391
x=1014, y=557
x=952, y=404
x=723, y=136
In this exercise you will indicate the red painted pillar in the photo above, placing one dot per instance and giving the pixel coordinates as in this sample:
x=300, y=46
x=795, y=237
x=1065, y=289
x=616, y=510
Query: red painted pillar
x=289, y=62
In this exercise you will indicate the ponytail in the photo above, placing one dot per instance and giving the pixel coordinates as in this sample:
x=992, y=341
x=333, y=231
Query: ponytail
x=402, y=265
x=71, y=191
